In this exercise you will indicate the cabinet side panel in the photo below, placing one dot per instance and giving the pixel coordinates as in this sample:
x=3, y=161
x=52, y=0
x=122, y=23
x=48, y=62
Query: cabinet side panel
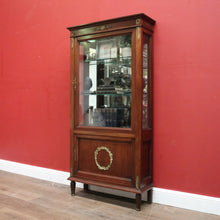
x=146, y=160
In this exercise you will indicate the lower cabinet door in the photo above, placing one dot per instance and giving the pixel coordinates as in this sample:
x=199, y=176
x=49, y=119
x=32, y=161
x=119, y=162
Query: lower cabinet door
x=107, y=161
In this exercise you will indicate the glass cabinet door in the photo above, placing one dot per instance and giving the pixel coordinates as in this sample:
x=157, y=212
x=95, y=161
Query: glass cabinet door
x=105, y=82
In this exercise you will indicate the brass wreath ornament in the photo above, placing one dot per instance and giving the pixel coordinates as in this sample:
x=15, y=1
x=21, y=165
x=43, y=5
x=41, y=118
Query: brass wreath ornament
x=110, y=156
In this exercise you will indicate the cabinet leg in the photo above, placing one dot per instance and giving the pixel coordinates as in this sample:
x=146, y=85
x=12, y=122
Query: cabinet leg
x=86, y=187
x=73, y=188
x=149, y=196
x=138, y=202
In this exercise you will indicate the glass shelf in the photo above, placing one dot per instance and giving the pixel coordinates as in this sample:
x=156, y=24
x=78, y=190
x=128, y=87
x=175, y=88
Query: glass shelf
x=124, y=61
x=106, y=94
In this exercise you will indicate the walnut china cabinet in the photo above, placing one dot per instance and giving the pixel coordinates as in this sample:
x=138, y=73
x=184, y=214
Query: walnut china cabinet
x=111, y=105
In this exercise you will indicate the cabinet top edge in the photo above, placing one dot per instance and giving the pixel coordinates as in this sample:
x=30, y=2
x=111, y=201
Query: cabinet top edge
x=119, y=19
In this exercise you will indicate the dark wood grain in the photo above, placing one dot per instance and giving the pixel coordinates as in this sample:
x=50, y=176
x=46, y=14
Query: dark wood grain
x=131, y=148
x=138, y=202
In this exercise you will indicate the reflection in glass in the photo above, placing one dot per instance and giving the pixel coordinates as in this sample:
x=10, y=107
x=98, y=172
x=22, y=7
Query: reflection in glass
x=145, y=106
x=105, y=82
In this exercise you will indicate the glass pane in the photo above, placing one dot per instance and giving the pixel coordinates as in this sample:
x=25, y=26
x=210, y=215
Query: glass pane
x=145, y=106
x=105, y=82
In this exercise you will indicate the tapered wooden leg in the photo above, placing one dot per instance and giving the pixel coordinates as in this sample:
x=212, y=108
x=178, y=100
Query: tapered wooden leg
x=149, y=196
x=86, y=187
x=73, y=188
x=138, y=202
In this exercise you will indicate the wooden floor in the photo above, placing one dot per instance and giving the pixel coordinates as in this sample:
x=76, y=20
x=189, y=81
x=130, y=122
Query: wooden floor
x=23, y=197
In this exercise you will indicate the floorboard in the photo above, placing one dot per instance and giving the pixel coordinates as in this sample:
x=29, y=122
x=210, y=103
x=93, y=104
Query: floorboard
x=23, y=197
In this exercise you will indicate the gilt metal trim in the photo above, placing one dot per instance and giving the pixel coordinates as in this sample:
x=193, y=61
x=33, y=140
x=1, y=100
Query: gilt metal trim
x=137, y=182
x=110, y=156
x=138, y=21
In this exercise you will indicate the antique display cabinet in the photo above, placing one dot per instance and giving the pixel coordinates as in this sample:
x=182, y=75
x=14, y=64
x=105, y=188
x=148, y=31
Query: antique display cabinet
x=111, y=105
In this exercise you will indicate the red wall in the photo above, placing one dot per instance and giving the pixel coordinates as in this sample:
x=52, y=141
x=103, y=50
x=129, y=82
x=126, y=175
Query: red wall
x=34, y=86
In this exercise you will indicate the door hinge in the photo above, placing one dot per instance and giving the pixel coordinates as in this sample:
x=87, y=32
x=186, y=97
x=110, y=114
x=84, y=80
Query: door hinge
x=74, y=154
x=74, y=83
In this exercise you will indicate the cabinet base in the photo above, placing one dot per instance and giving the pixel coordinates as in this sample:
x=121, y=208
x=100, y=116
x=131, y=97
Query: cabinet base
x=137, y=199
